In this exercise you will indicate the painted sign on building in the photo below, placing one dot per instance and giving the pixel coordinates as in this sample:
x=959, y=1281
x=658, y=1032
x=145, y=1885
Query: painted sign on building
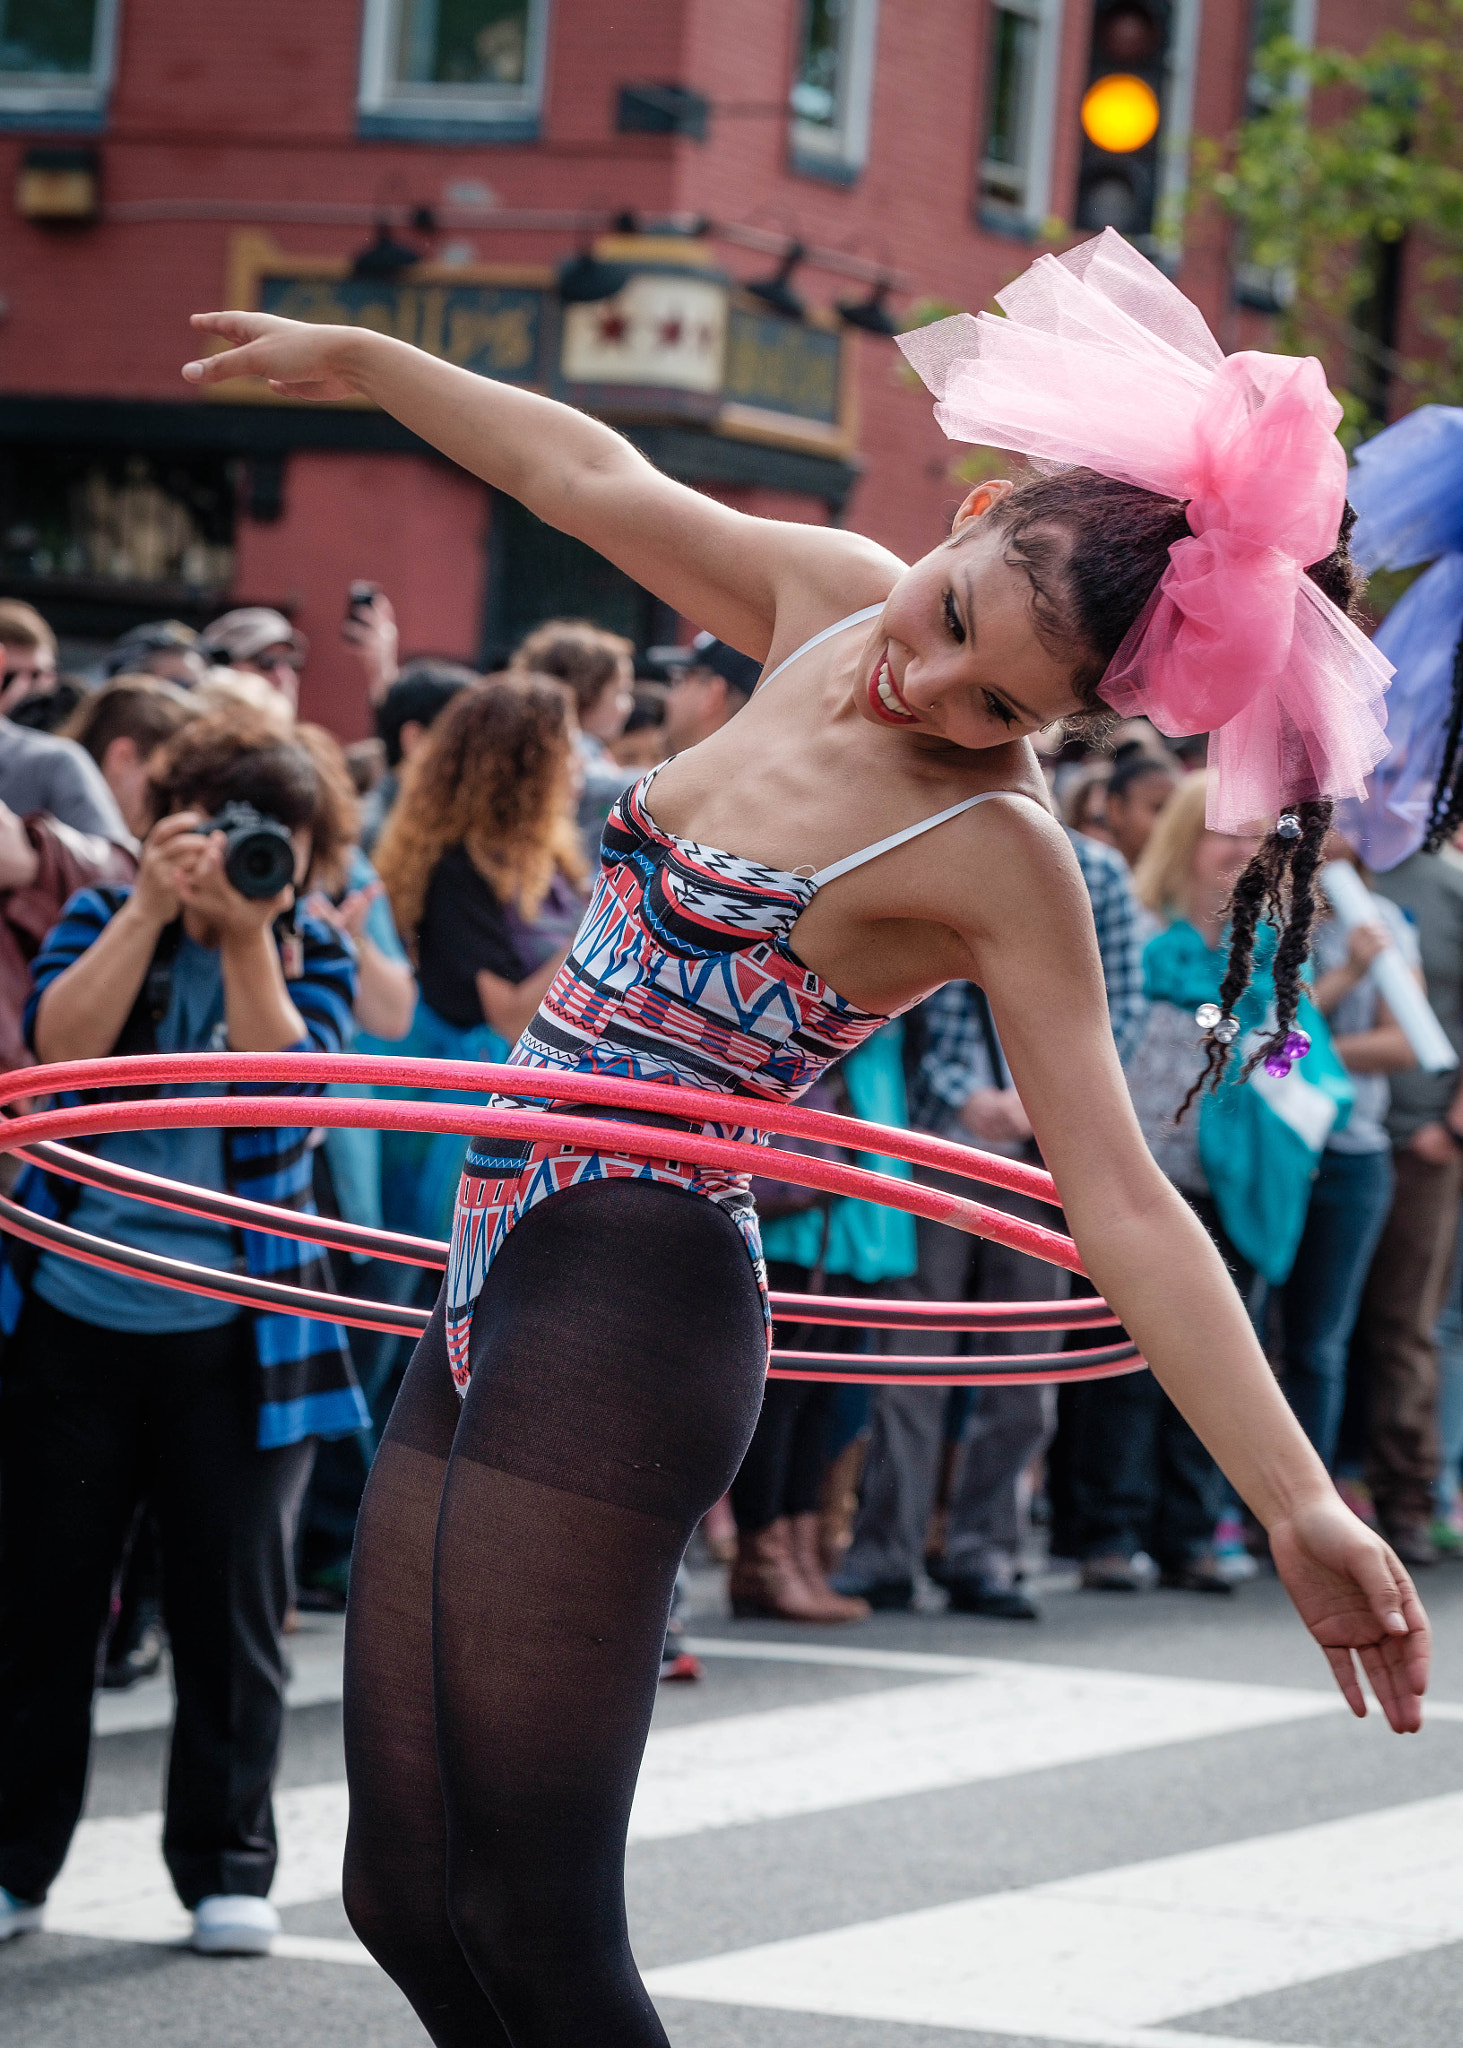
x=678, y=340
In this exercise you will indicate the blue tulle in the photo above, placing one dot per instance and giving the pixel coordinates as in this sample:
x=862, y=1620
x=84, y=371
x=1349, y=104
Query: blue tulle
x=1407, y=488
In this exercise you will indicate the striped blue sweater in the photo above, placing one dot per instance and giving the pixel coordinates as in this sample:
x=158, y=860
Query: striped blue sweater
x=307, y=1386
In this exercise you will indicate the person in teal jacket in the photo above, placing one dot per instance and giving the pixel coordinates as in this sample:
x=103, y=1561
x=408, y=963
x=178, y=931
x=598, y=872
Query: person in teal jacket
x=832, y=1247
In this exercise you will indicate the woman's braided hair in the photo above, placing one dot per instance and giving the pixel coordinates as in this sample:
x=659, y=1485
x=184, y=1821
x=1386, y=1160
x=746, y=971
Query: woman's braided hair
x=1447, y=806
x=1094, y=551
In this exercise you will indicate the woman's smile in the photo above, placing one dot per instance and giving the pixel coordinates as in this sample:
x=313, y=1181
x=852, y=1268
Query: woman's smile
x=885, y=697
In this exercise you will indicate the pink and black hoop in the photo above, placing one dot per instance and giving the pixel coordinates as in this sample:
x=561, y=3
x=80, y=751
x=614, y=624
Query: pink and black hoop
x=38, y=1137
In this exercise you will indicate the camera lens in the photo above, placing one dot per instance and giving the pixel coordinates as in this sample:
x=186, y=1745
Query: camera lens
x=260, y=860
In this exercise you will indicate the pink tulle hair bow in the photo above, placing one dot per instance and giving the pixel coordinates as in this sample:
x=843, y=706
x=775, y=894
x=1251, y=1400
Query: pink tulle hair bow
x=1102, y=363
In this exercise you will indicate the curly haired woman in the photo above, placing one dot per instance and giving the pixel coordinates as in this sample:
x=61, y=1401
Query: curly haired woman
x=871, y=825
x=484, y=871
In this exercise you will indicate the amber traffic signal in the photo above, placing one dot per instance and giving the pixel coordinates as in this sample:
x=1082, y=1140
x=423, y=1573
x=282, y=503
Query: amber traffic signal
x=1122, y=115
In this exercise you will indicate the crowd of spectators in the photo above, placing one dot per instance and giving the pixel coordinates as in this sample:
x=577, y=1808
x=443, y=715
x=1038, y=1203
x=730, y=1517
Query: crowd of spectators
x=439, y=871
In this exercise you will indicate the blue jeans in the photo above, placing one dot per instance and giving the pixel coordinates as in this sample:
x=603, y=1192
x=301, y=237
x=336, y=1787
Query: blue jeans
x=1349, y=1204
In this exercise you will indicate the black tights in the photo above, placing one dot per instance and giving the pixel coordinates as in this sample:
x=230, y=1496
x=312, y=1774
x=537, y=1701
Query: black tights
x=512, y=1579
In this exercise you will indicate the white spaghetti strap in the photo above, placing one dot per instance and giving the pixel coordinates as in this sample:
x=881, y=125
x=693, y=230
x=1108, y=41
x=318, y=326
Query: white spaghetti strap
x=871, y=611
x=857, y=860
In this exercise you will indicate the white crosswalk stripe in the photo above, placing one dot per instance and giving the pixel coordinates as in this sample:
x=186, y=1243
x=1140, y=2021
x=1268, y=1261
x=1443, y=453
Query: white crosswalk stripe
x=1013, y=1718
x=1006, y=1719
x=1116, y=1958
x=1110, y=1957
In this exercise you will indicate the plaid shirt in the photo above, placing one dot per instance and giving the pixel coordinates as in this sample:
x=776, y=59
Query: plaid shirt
x=306, y=1383
x=955, y=1059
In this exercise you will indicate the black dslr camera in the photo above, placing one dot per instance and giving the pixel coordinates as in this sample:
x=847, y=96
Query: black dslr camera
x=259, y=855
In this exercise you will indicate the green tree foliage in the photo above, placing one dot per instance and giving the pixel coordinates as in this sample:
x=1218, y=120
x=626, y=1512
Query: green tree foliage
x=1342, y=159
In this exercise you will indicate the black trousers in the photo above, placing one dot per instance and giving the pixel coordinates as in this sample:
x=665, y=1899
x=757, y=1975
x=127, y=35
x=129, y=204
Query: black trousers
x=783, y=1471
x=91, y=1420
x=1136, y=1477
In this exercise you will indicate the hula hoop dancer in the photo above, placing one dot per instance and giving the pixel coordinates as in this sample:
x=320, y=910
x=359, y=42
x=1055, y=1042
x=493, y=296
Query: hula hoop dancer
x=873, y=824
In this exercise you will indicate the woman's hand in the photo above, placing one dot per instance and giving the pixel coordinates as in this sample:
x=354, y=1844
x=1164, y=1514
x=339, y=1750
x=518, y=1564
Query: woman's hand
x=169, y=853
x=294, y=357
x=1432, y=1144
x=372, y=633
x=994, y=1116
x=206, y=890
x=1353, y=1595
x=386, y=990
x=350, y=914
x=1363, y=943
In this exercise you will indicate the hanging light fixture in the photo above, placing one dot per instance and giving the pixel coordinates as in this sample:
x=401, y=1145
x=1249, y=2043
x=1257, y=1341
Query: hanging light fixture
x=870, y=314
x=585, y=279
x=384, y=258
x=775, y=293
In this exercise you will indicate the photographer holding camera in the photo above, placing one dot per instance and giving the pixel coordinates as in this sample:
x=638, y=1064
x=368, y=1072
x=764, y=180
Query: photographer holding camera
x=115, y=1387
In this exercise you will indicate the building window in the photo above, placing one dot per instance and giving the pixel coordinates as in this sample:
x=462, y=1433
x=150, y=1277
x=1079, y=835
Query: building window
x=86, y=533
x=1269, y=288
x=55, y=61
x=453, y=67
x=833, y=86
x=1022, y=48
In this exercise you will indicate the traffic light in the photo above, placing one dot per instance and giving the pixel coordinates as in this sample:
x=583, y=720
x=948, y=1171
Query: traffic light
x=1122, y=116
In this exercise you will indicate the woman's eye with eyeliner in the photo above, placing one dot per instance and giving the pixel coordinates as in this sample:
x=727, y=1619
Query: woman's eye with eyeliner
x=999, y=710
x=952, y=618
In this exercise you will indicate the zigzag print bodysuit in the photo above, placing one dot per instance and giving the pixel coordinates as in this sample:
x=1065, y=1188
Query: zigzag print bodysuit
x=681, y=971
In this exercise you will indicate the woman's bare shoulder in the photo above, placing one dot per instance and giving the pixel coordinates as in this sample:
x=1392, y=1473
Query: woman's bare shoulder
x=1012, y=863
x=827, y=574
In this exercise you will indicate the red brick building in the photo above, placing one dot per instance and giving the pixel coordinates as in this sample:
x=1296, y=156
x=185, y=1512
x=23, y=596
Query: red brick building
x=166, y=157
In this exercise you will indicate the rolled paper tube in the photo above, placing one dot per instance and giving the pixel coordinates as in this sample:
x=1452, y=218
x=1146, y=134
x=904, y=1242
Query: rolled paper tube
x=1354, y=904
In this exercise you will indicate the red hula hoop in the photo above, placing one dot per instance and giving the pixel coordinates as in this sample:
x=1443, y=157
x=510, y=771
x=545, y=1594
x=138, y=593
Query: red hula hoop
x=32, y=1137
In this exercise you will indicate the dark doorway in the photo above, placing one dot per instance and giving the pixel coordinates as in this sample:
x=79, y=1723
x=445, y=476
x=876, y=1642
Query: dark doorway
x=536, y=573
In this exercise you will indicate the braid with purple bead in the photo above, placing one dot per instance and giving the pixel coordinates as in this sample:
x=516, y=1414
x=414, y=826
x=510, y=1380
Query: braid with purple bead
x=1094, y=551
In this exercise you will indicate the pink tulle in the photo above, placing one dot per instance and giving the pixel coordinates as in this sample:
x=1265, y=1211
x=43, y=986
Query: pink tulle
x=1101, y=362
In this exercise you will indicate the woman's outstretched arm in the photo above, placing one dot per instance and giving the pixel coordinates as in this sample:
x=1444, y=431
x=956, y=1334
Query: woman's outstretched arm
x=1030, y=934
x=729, y=572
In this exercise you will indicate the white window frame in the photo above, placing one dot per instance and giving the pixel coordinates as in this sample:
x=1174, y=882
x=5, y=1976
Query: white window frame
x=386, y=99
x=39, y=99
x=842, y=148
x=1036, y=170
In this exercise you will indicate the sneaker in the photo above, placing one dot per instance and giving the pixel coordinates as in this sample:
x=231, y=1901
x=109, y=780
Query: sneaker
x=18, y=1916
x=887, y=1596
x=996, y=1603
x=1197, y=1575
x=1112, y=1573
x=1232, y=1550
x=129, y=1663
x=234, y=1924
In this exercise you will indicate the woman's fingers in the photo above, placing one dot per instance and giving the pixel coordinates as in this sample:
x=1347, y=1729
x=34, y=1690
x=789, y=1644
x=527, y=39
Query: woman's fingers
x=1385, y=1586
x=1343, y=1670
x=234, y=325
x=250, y=358
x=1397, y=1697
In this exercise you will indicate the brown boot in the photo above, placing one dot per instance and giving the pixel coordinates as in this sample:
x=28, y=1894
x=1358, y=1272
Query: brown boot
x=765, y=1582
x=803, y=1533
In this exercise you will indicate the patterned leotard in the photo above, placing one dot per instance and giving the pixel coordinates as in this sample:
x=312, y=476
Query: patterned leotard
x=681, y=971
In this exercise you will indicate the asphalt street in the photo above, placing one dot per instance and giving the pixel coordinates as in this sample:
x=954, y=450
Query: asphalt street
x=1143, y=1823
